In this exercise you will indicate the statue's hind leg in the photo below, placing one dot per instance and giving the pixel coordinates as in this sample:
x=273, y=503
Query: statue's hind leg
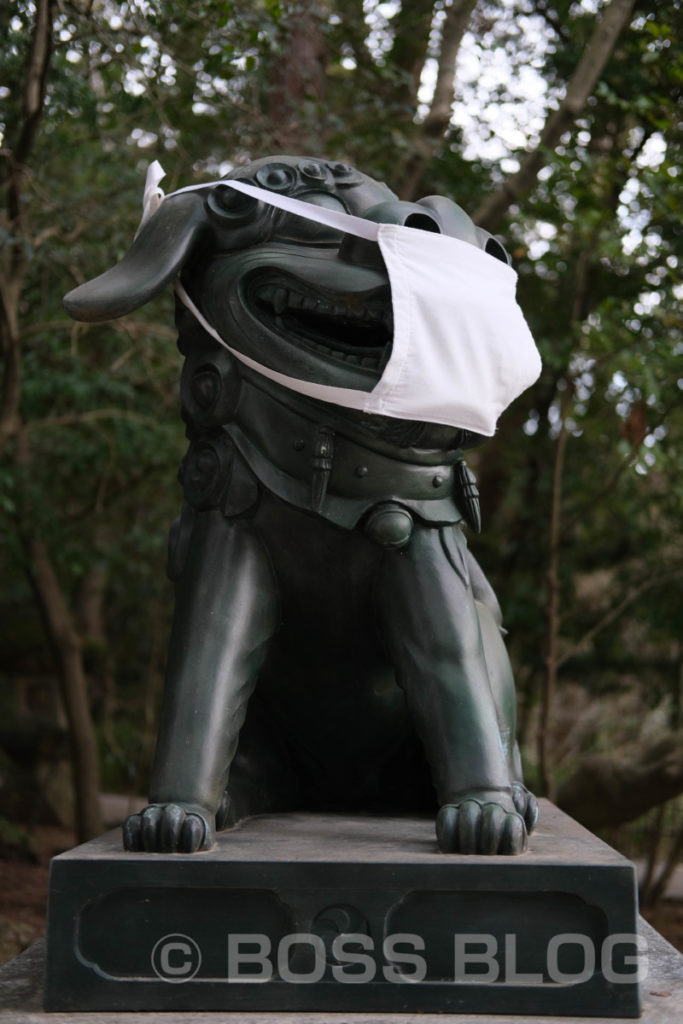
x=430, y=624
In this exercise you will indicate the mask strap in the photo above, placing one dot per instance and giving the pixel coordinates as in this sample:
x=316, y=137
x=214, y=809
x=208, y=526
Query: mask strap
x=180, y=291
x=153, y=195
x=347, y=223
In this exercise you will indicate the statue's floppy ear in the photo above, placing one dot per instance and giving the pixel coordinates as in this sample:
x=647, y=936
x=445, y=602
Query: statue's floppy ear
x=154, y=259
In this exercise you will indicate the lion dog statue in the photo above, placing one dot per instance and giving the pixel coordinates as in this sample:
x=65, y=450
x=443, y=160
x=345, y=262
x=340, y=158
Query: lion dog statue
x=335, y=646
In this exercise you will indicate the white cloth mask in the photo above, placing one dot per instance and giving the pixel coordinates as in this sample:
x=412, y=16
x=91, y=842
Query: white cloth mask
x=461, y=351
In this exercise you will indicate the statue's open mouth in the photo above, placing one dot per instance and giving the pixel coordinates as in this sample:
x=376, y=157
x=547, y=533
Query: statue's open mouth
x=353, y=329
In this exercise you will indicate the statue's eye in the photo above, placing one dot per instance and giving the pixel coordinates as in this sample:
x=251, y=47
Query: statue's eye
x=313, y=170
x=344, y=174
x=230, y=205
x=494, y=248
x=277, y=177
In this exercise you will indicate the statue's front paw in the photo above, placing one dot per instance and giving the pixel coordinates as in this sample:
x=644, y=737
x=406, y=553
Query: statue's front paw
x=526, y=804
x=169, y=828
x=482, y=822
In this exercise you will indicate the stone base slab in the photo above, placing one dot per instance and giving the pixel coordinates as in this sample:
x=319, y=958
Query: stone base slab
x=304, y=913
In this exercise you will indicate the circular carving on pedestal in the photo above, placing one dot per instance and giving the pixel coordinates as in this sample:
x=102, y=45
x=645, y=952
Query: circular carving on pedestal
x=340, y=919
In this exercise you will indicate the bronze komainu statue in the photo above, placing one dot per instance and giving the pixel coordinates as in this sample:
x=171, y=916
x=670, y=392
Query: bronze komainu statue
x=334, y=646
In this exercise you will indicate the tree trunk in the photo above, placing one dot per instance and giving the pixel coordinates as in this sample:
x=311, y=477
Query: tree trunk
x=66, y=643
x=15, y=153
x=94, y=635
x=411, y=26
x=653, y=893
x=610, y=789
x=298, y=84
x=433, y=128
x=545, y=765
x=10, y=394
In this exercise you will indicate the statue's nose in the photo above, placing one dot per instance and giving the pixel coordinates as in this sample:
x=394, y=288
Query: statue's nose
x=410, y=215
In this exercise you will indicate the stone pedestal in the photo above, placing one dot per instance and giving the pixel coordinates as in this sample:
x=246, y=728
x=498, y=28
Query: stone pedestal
x=329, y=913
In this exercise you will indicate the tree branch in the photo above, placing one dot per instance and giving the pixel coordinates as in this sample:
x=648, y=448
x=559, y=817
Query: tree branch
x=411, y=26
x=76, y=418
x=457, y=19
x=612, y=481
x=355, y=29
x=610, y=789
x=580, y=86
x=435, y=124
x=614, y=613
x=36, y=78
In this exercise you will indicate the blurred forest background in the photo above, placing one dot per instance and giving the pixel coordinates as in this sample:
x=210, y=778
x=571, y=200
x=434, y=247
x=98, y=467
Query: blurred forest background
x=556, y=124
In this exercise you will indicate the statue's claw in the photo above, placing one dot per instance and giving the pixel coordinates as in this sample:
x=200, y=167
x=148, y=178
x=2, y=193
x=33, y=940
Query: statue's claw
x=169, y=828
x=526, y=804
x=481, y=824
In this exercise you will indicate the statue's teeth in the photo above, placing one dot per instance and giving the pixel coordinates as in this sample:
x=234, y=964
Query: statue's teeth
x=280, y=301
